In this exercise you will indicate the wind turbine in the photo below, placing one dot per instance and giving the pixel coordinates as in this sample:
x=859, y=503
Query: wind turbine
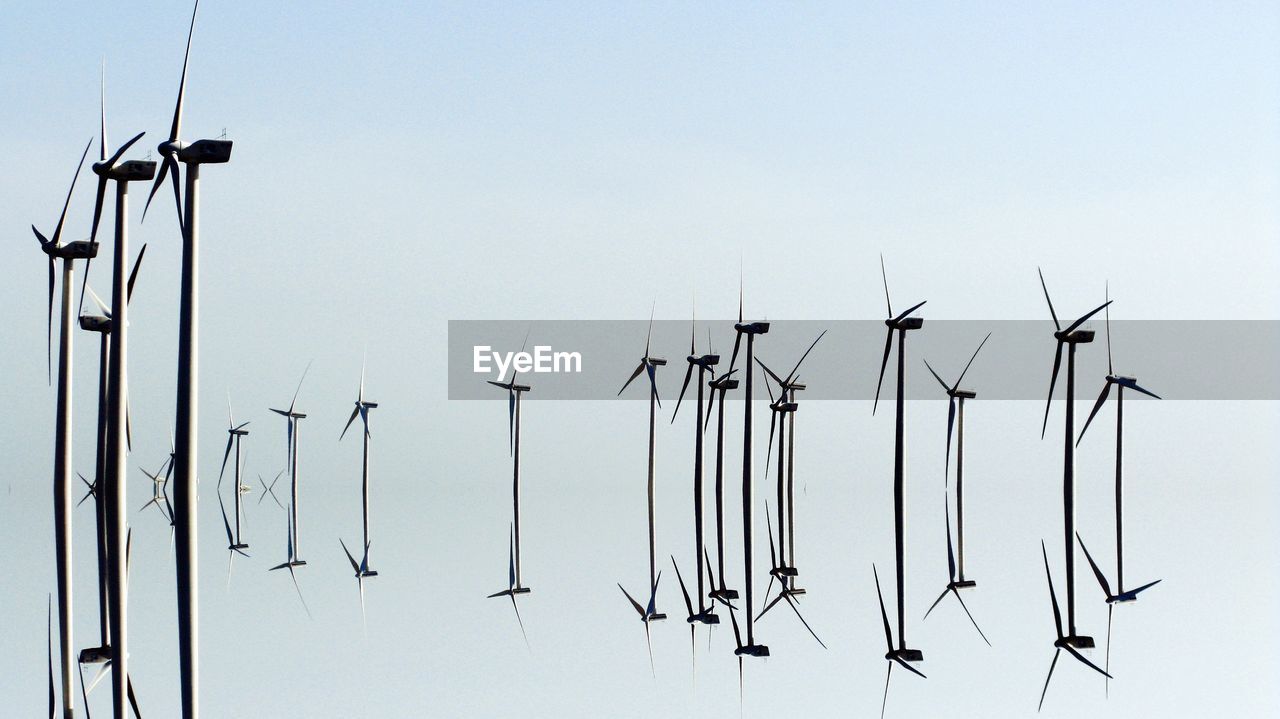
x=55, y=249
x=704, y=363
x=361, y=410
x=955, y=409
x=292, y=418
x=235, y=433
x=1121, y=595
x=783, y=408
x=1070, y=337
x=1064, y=641
x=515, y=584
x=720, y=385
x=750, y=330
x=122, y=173
x=648, y=365
x=901, y=324
x=193, y=155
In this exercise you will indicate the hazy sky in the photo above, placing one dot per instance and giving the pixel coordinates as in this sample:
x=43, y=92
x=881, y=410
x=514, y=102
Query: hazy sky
x=399, y=167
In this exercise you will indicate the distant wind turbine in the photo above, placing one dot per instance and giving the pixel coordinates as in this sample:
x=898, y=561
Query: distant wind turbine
x=648, y=365
x=361, y=568
x=955, y=410
x=293, y=418
x=1120, y=595
x=901, y=324
x=1069, y=337
x=515, y=580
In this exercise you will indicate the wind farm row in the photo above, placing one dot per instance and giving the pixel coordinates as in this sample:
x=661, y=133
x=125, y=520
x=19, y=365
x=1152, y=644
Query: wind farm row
x=719, y=576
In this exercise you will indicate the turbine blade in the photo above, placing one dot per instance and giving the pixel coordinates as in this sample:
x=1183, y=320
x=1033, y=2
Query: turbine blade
x=945, y=387
x=225, y=523
x=773, y=553
x=97, y=207
x=520, y=621
x=971, y=359
x=1044, y=691
x=688, y=603
x=885, y=699
x=771, y=374
x=888, y=346
x=636, y=373
x=226, y=454
x=354, y=567
x=888, y=635
x=1145, y=587
x=639, y=609
x=1053, y=380
x=688, y=374
x=1134, y=386
x=803, y=356
x=182, y=84
x=1057, y=614
x=57, y=232
x=511, y=557
x=350, y=419
x=774, y=602
x=1072, y=651
x=1054, y=315
x=887, y=304
x=971, y=619
x=898, y=319
x=910, y=668
x=123, y=149
x=1102, y=579
x=799, y=616
x=1102, y=399
x=49, y=631
x=936, y=602
x=1107, y=682
x=653, y=382
x=511, y=418
x=1085, y=317
x=49, y=332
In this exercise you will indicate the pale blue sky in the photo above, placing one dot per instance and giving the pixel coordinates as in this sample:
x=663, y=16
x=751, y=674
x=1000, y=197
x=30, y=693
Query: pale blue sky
x=402, y=166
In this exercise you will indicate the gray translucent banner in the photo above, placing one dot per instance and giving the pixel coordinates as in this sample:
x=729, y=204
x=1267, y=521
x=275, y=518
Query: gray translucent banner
x=590, y=360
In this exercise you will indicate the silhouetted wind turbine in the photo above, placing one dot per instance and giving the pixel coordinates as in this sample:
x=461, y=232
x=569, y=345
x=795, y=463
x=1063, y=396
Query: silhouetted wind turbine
x=648, y=365
x=122, y=173
x=901, y=323
x=361, y=410
x=750, y=648
x=235, y=433
x=704, y=363
x=1121, y=595
x=292, y=418
x=1071, y=336
x=720, y=386
x=955, y=409
x=515, y=585
x=68, y=253
x=193, y=155
x=783, y=408
x=1063, y=641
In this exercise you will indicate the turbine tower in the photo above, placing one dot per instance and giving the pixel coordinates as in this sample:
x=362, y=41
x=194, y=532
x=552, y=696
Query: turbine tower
x=193, y=155
x=122, y=173
x=54, y=249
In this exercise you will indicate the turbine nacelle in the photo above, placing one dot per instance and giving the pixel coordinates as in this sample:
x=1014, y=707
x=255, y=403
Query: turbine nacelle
x=1076, y=641
x=904, y=323
x=705, y=617
x=654, y=361
x=961, y=393
x=95, y=323
x=753, y=328
x=723, y=382
x=128, y=171
x=95, y=655
x=1075, y=337
x=904, y=655
x=78, y=250
x=705, y=361
x=206, y=152
x=752, y=650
